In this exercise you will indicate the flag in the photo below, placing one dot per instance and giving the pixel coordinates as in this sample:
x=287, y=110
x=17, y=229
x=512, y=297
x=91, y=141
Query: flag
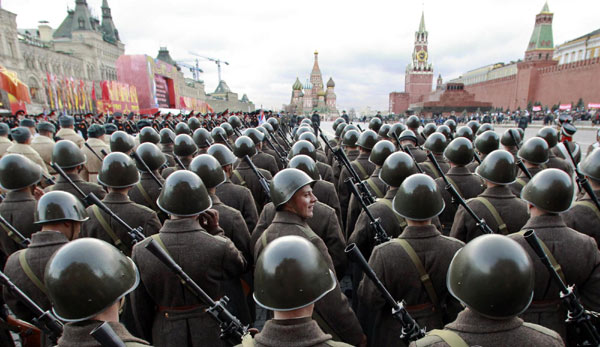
x=261, y=117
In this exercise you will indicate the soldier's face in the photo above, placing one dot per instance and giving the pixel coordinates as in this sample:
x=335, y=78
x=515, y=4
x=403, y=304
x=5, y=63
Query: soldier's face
x=303, y=202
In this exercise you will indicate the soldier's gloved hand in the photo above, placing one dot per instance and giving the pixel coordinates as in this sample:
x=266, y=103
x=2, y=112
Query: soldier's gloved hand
x=209, y=220
x=37, y=193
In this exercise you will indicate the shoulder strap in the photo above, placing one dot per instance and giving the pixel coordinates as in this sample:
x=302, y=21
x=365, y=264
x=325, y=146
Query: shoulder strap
x=388, y=204
x=239, y=177
x=362, y=170
x=156, y=237
x=501, y=225
x=588, y=204
x=424, y=276
x=146, y=196
x=29, y=272
x=521, y=182
x=454, y=185
x=450, y=337
x=106, y=226
x=374, y=187
x=553, y=261
x=432, y=168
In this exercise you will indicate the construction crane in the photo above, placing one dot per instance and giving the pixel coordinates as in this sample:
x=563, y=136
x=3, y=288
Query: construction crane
x=216, y=61
x=195, y=70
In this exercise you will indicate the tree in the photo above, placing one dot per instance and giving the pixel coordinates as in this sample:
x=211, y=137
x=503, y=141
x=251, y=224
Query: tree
x=529, y=106
x=580, y=105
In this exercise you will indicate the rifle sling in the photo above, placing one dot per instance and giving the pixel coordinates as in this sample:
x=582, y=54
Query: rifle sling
x=521, y=182
x=147, y=197
x=501, y=225
x=29, y=272
x=375, y=189
x=449, y=337
x=388, y=204
x=553, y=261
x=361, y=168
x=237, y=174
x=454, y=185
x=106, y=226
x=590, y=205
x=11, y=234
x=432, y=168
x=423, y=275
x=156, y=237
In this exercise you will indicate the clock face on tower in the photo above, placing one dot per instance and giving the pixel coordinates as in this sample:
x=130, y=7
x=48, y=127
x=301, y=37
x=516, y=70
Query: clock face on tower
x=422, y=55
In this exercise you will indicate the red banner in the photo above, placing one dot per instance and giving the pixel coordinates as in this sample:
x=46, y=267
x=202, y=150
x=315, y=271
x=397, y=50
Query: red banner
x=118, y=97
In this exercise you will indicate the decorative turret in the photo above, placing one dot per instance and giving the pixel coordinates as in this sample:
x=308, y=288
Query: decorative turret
x=308, y=85
x=420, y=53
x=164, y=55
x=315, y=76
x=440, y=82
x=297, y=85
x=330, y=83
x=110, y=33
x=541, y=43
x=77, y=19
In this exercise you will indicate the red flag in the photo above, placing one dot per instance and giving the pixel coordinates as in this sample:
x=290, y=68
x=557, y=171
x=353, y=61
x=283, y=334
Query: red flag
x=93, y=91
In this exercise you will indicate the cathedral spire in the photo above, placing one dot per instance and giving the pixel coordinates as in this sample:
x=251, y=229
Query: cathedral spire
x=316, y=79
x=422, y=24
x=110, y=33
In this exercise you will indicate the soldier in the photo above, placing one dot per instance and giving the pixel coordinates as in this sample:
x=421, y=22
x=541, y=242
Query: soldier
x=293, y=304
x=60, y=215
x=395, y=130
x=548, y=194
x=30, y=125
x=18, y=177
x=485, y=143
x=166, y=145
x=459, y=153
x=261, y=159
x=147, y=190
x=231, y=194
x=307, y=148
x=348, y=145
x=566, y=134
x=497, y=205
x=584, y=216
x=408, y=140
x=310, y=137
x=594, y=145
x=493, y=302
x=4, y=141
x=119, y=174
x=44, y=143
x=110, y=129
x=413, y=123
x=294, y=202
x=420, y=256
x=22, y=145
x=436, y=143
x=445, y=130
x=271, y=151
x=375, y=124
x=148, y=134
x=243, y=174
x=466, y=132
x=203, y=139
x=121, y=141
x=428, y=129
x=510, y=143
x=87, y=281
x=69, y=157
x=534, y=154
x=551, y=136
x=95, y=140
x=164, y=310
x=234, y=228
x=67, y=132
x=182, y=128
x=184, y=149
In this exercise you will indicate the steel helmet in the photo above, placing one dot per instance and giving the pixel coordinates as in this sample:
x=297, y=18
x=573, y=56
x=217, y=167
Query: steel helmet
x=498, y=167
x=209, y=170
x=184, y=195
x=286, y=183
x=67, y=154
x=118, y=171
x=18, y=172
x=57, y=205
x=418, y=198
x=551, y=190
x=381, y=151
x=396, y=168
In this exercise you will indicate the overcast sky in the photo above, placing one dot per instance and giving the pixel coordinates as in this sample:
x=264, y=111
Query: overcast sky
x=364, y=45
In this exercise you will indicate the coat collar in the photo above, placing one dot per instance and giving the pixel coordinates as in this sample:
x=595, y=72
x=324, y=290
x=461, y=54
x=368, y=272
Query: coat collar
x=545, y=221
x=93, y=141
x=376, y=171
x=459, y=171
x=419, y=232
x=298, y=332
x=501, y=192
x=472, y=322
x=75, y=332
x=19, y=195
x=42, y=139
x=215, y=199
x=116, y=198
x=181, y=225
x=391, y=193
x=286, y=217
x=47, y=238
x=73, y=176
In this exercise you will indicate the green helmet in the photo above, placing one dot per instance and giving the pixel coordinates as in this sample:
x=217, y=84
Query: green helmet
x=56, y=206
x=590, y=166
x=193, y=123
x=184, y=146
x=485, y=127
x=350, y=138
x=255, y=134
x=306, y=164
x=302, y=130
x=202, y=138
x=375, y=124
x=306, y=121
x=381, y=151
x=397, y=128
x=18, y=172
x=209, y=170
x=166, y=136
x=310, y=137
x=487, y=142
x=444, y=129
x=367, y=139
x=549, y=134
x=508, y=141
x=492, y=275
x=408, y=135
x=86, y=276
x=534, y=150
x=474, y=125
x=274, y=123
x=551, y=190
x=263, y=130
x=218, y=134
x=436, y=143
x=340, y=129
x=498, y=167
x=348, y=128
x=244, y=146
x=418, y=198
x=459, y=151
x=396, y=168
x=286, y=183
x=450, y=123
x=148, y=134
x=67, y=154
x=384, y=130
x=235, y=122
x=413, y=122
x=429, y=129
x=303, y=147
x=337, y=122
x=120, y=141
x=222, y=154
x=151, y=155
x=228, y=128
x=184, y=195
x=521, y=133
x=291, y=273
x=465, y=131
x=118, y=171
x=268, y=126
x=182, y=128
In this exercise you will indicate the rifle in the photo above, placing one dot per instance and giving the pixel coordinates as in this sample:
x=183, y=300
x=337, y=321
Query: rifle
x=476, y=157
x=285, y=140
x=577, y=315
x=92, y=150
x=49, y=179
x=359, y=128
x=407, y=151
x=380, y=235
x=91, y=199
x=103, y=152
x=225, y=142
x=261, y=179
x=410, y=328
x=44, y=320
x=232, y=330
x=480, y=222
x=342, y=159
x=280, y=156
x=274, y=139
x=14, y=234
x=106, y=336
x=520, y=163
x=141, y=161
x=581, y=180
